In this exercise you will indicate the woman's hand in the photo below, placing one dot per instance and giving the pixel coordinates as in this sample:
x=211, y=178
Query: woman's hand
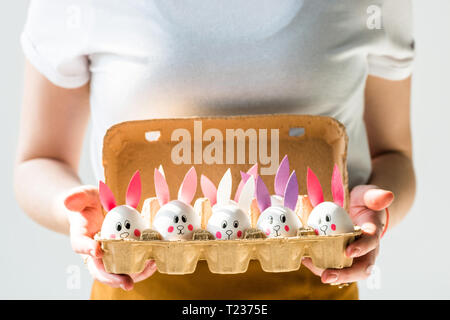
x=86, y=218
x=367, y=204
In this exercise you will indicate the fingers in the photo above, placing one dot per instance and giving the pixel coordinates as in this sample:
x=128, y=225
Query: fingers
x=85, y=245
x=97, y=270
x=363, y=245
x=360, y=270
x=378, y=199
x=82, y=197
x=150, y=268
x=370, y=196
x=307, y=262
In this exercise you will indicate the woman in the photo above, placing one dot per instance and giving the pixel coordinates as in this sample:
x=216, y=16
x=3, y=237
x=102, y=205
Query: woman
x=128, y=60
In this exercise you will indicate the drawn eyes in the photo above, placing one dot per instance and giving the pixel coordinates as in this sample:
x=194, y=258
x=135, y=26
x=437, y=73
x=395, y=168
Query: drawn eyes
x=118, y=226
x=328, y=218
x=127, y=224
x=224, y=224
x=176, y=219
x=283, y=218
x=183, y=218
x=270, y=219
x=236, y=223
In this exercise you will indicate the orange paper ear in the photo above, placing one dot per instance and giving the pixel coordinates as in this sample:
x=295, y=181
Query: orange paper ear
x=337, y=187
x=315, y=192
x=106, y=197
x=134, y=191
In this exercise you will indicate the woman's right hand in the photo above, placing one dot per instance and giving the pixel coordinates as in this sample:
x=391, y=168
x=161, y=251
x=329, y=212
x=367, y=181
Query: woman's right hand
x=85, y=219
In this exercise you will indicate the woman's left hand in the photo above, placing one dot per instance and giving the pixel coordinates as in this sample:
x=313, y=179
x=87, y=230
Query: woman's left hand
x=367, y=210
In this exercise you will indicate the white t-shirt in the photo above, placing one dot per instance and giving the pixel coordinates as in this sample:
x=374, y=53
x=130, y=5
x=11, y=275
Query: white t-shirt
x=167, y=58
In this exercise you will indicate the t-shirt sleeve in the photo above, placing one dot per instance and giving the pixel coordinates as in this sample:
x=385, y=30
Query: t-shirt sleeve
x=55, y=41
x=392, y=56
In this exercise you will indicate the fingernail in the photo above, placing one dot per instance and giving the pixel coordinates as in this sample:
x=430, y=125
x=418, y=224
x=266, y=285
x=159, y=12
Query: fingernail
x=124, y=288
x=370, y=269
x=331, y=278
x=355, y=252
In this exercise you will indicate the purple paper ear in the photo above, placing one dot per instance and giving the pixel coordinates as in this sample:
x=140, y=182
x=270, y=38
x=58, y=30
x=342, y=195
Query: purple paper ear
x=161, y=188
x=209, y=189
x=282, y=176
x=134, y=191
x=106, y=197
x=291, y=192
x=337, y=187
x=262, y=195
x=252, y=171
x=315, y=192
x=188, y=187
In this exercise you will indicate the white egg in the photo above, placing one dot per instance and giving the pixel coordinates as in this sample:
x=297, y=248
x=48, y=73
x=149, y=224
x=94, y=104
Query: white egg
x=228, y=222
x=123, y=222
x=327, y=218
x=278, y=221
x=176, y=220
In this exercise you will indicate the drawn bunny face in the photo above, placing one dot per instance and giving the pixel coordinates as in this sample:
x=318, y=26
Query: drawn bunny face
x=122, y=222
x=229, y=218
x=328, y=218
x=278, y=220
x=176, y=219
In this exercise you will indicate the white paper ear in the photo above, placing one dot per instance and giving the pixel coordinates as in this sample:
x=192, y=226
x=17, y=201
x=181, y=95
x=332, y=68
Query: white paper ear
x=247, y=193
x=224, y=189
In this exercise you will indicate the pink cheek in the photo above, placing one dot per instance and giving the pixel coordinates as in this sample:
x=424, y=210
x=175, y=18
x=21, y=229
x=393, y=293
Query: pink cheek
x=286, y=227
x=112, y=236
x=218, y=235
x=316, y=231
x=239, y=233
x=170, y=229
x=333, y=227
x=268, y=231
x=137, y=233
x=190, y=227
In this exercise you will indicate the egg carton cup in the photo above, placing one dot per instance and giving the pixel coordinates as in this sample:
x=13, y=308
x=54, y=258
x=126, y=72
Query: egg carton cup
x=314, y=142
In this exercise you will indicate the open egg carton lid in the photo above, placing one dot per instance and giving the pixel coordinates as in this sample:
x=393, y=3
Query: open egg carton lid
x=309, y=141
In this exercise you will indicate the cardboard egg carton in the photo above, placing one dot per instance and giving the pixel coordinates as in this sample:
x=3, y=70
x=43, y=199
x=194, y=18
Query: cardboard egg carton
x=309, y=141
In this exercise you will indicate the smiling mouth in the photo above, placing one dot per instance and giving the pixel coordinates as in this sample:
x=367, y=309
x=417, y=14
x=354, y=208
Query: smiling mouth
x=180, y=232
x=124, y=235
x=276, y=233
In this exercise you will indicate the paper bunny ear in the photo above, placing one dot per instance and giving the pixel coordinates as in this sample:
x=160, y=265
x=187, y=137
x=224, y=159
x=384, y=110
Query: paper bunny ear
x=188, y=187
x=337, y=187
x=209, y=189
x=262, y=195
x=161, y=188
x=252, y=171
x=315, y=192
x=291, y=192
x=282, y=176
x=160, y=168
x=246, y=196
x=134, y=191
x=224, y=189
x=106, y=197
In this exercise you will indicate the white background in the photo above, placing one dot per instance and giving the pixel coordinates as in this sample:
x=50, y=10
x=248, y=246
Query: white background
x=414, y=262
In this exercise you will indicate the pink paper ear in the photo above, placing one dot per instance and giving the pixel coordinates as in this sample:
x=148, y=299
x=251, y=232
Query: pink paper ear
x=262, y=195
x=315, y=192
x=106, y=197
x=188, y=187
x=291, y=192
x=161, y=188
x=209, y=189
x=282, y=176
x=244, y=179
x=134, y=191
x=252, y=171
x=337, y=187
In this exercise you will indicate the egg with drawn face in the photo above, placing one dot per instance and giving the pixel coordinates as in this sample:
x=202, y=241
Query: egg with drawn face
x=328, y=218
x=122, y=222
x=176, y=220
x=278, y=221
x=228, y=222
